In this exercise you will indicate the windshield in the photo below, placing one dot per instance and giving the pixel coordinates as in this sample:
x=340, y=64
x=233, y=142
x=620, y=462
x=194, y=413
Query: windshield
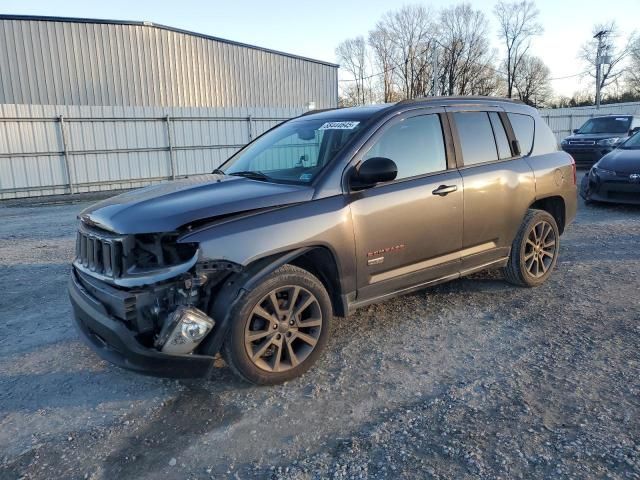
x=293, y=152
x=633, y=143
x=606, y=125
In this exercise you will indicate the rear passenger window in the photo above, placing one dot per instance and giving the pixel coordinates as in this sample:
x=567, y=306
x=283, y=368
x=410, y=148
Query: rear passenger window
x=523, y=129
x=504, y=150
x=476, y=137
x=415, y=144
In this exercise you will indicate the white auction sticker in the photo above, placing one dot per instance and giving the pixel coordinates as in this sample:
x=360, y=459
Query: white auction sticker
x=339, y=126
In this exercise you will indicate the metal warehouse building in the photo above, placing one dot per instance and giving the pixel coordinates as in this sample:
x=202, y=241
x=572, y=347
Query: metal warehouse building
x=99, y=104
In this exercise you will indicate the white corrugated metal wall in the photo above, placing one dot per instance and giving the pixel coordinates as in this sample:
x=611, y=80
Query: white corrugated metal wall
x=84, y=103
x=105, y=148
x=48, y=61
x=564, y=120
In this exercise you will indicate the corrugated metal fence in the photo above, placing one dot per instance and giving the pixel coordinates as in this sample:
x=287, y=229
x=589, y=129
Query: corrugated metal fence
x=563, y=120
x=49, y=150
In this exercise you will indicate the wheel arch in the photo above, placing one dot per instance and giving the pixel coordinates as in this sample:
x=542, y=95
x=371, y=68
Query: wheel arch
x=554, y=206
x=318, y=260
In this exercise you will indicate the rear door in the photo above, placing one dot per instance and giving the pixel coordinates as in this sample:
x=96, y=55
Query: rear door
x=408, y=231
x=498, y=185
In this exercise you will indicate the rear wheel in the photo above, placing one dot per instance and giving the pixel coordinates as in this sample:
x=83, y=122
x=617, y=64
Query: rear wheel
x=279, y=329
x=534, y=252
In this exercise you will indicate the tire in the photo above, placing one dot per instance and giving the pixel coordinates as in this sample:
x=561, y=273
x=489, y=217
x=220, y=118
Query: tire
x=531, y=261
x=267, y=345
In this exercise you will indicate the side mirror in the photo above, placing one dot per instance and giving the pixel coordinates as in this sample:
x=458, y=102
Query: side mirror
x=515, y=146
x=576, y=130
x=634, y=130
x=372, y=171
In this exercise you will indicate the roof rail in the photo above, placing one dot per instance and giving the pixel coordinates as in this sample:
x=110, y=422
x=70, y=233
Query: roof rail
x=311, y=112
x=460, y=98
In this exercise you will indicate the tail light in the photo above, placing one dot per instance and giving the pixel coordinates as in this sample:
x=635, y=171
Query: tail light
x=573, y=170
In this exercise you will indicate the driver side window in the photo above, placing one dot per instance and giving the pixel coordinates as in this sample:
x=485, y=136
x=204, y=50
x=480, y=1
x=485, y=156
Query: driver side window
x=415, y=144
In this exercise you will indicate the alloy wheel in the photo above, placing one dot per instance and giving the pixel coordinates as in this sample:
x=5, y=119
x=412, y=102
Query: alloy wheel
x=283, y=328
x=540, y=249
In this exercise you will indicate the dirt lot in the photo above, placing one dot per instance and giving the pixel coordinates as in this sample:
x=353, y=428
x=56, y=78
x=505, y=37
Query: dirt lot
x=474, y=378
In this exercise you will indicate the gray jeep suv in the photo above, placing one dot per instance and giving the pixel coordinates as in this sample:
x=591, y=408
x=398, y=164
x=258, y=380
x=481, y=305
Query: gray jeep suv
x=321, y=215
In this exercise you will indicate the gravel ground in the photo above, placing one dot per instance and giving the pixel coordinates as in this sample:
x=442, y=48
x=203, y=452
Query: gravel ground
x=474, y=378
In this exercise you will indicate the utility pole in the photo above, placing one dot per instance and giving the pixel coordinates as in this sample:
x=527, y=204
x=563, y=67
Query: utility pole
x=434, y=72
x=599, y=62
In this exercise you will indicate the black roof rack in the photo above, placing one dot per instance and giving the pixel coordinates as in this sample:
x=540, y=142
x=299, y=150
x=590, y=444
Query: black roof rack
x=459, y=98
x=311, y=112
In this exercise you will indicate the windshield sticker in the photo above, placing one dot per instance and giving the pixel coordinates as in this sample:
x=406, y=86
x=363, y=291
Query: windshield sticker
x=622, y=119
x=339, y=126
x=306, y=177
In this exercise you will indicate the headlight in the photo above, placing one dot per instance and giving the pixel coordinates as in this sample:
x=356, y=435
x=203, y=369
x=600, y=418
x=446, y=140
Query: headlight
x=609, y=142
x=564, y=142
x=602, y=171
x=183, y=330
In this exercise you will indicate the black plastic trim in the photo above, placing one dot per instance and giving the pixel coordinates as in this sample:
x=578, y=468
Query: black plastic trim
x=115, y=343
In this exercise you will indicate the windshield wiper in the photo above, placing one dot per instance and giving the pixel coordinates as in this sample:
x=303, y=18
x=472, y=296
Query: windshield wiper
x=253, y=175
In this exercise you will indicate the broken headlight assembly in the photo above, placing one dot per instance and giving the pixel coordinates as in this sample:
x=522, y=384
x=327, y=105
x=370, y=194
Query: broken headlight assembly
x=183, y=330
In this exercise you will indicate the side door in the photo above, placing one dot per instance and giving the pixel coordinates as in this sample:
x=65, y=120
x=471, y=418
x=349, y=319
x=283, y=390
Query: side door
x=408, y=231
x=498, y=183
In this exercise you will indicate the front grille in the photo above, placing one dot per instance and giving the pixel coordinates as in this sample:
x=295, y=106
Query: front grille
x=587, y=158
x=624, y=196
x=100, y=252
x=582, y=142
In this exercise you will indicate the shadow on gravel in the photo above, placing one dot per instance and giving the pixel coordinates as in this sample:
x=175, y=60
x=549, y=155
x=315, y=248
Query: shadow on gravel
x=87, y=389
x=194, y=412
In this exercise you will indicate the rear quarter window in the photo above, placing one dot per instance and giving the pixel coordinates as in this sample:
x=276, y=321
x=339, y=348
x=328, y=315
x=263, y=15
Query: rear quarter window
x=523, y=128
x=546, y=141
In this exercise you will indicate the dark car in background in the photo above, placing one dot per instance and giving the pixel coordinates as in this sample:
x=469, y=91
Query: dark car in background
x=616, y=177
x=599, y=136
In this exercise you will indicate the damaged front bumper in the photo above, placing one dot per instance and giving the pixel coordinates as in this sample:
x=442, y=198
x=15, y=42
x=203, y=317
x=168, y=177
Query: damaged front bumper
x=115, y=342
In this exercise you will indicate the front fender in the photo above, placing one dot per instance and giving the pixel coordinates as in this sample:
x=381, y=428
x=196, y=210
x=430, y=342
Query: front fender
x=325, y=222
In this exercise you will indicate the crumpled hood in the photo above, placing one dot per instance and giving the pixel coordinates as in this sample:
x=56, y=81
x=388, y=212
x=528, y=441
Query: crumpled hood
x=621, y=160
x=168, y=206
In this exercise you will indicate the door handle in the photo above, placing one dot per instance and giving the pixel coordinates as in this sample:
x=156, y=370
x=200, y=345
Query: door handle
x=443, y=190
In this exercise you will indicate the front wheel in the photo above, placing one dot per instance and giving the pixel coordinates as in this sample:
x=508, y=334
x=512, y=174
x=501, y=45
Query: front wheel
x=534, y=252
x=279, y=328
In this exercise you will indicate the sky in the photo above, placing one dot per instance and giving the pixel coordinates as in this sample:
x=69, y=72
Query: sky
x=313, y=29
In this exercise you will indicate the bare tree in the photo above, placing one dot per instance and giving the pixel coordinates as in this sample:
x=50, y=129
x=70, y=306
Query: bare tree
x=352, y=55
x=517, y=26
x=384, y=56
x=532, y=81
x=633, y=73
x=351, y=96
x=465, y=57
x=411, y=30
x=486, y=82
x=613, y=71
